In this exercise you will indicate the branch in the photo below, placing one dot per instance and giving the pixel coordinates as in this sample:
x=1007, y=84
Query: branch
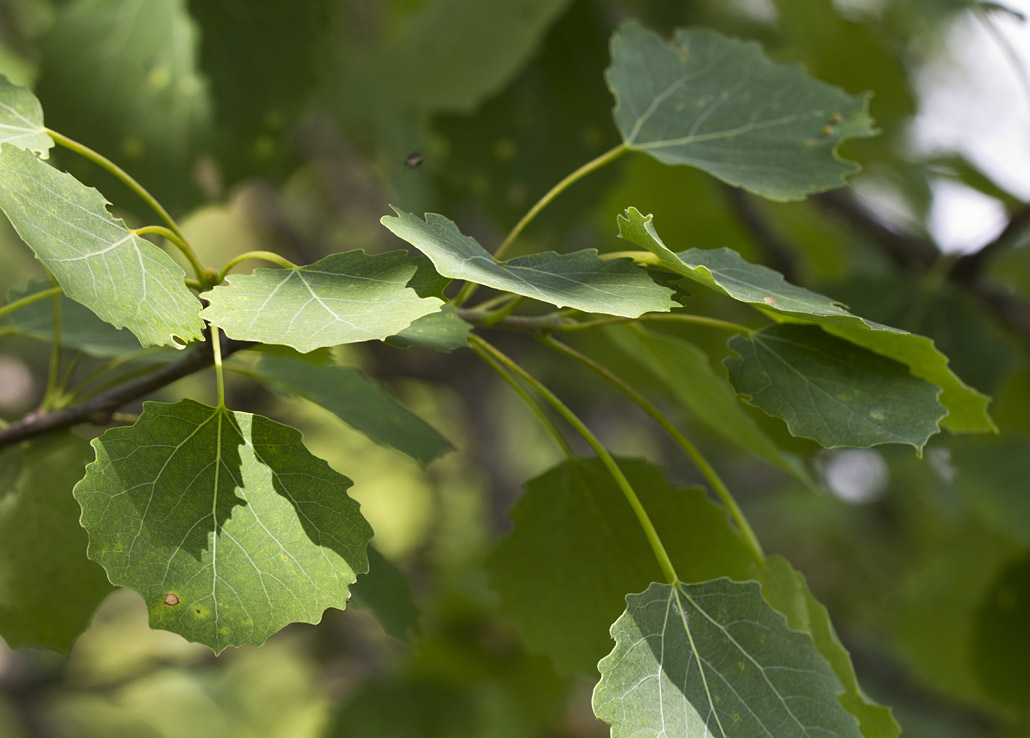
x=98, y=410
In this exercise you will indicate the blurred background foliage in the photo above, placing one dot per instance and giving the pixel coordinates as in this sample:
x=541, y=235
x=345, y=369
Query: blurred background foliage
x=291, y=124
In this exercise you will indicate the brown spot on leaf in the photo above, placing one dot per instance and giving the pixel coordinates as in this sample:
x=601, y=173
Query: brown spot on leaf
x=171, y=599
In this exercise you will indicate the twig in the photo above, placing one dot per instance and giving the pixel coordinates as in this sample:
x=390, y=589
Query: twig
x=98, y=410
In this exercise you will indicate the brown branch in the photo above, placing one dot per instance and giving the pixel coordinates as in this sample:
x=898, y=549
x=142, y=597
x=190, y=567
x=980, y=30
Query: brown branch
x=98, y=410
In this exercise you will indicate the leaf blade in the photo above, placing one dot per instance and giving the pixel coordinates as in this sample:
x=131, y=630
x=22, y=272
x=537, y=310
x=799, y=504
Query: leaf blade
x=21, y=119
x=721, y=105
x=579, y=280
x=343, y=298
x=127, y=281
x=240, y=529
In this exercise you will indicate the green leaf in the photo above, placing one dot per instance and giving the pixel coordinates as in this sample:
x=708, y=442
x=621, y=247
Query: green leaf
x=727, y=273
x=715, y=659
x=126, y=280
x=992, y=475
x=450, y=54
x=686, y=372
x=121, y=76
x=576, y=549
x=721, y=105
x=80, y=328
x=386, y=592
x=21, y=119
x=440, y=331
x=225, y=524
x=344, y=298
x=833, y=391
x=48, y=588
x=358, y=401
x=579, y=280
x=787, y=591
x=1001, y=651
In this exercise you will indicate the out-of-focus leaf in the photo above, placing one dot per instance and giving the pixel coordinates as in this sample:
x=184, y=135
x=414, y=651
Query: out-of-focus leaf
x=126, y=280
x=440, y=331
x=833, y=391
x=993, y=474
x=577, y=549
x=451, y=54
x=121, y=76
x=721, y=105
x=579, y=280
x=787, y=591
x=48, y=588
x=21, y=119
x=727, y=273
x=715, y=659
x=223, y=522
x=686, y=372
x=80, y=328
x=344, y=298
x=358, y=401
x=385, y=592
x=1001, y=649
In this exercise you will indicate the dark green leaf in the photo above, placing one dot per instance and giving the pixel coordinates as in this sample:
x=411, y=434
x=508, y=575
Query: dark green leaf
x=358, y=401
x=833, y=391
x=440, y=331
x=386, y=593
x=1001, y=649
x=576, y=549
x=224, y=523
x=685, y=371
x=126, y=280
x=715, y=659
x=721, y=105
x=80, y=328
x=344, y=298
x=993, y=474
x=579, y=280
x=726, y=272
x=787, y=591
x=121, y=76
x=21, y=119
x=48, y=588
x=450, y=54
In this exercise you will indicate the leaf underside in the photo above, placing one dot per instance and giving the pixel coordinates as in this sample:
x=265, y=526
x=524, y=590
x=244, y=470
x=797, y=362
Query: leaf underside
x=721, y=105
x=224, y=523
x=715, y=659
x=724, y=271
x=344, y=298
x=21, y=119
x=578, y=280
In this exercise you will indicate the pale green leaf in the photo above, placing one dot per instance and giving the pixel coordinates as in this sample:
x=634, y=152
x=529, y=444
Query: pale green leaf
x=80, y=328
x=126, y=280
x=21, y=119
x=715, y=659
x=721, y=105
x=576, y=549
x=48, y=588
x=224, y=523
x=726, y=272
x=344, y=298
x=360, y=402
x=579, y=280
x=451, y=54
x=439, y=331
x=787, y=591
x=385, y=591
x=686, y=372
x=833, y=391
